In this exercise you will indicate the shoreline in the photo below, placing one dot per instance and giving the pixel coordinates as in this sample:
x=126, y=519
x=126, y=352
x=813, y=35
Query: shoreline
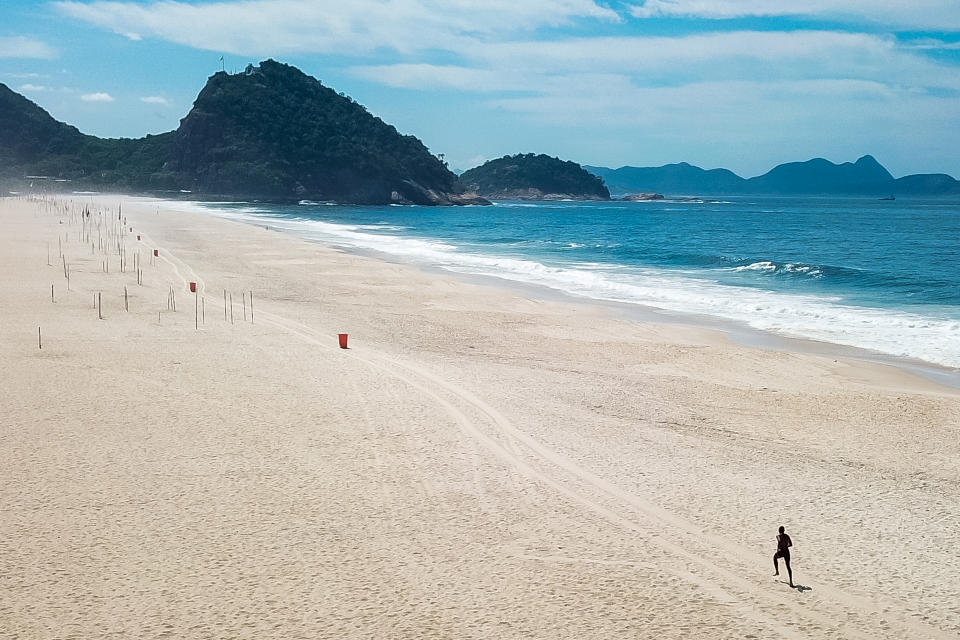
x=478, y=463
x=727, y=329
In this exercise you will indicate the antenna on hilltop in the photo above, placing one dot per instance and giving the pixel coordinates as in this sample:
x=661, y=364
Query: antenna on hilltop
x=222, y=66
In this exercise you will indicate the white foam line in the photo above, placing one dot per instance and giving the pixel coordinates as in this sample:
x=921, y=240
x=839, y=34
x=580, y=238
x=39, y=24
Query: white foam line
x=928, y=337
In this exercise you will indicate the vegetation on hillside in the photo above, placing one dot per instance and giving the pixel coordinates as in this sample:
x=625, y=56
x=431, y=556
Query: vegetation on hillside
x=269, y=132
x=525, y=172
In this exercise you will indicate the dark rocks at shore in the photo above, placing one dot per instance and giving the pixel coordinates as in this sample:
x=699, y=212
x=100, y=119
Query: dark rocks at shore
x=642, y=197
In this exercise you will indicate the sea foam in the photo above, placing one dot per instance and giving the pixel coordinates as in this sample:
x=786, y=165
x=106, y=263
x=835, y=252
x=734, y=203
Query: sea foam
x=923, y=335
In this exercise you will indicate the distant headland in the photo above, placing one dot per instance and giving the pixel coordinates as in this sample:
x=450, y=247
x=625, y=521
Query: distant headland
x=865, y=177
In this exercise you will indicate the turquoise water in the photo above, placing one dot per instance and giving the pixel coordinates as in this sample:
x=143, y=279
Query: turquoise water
x=878, y=275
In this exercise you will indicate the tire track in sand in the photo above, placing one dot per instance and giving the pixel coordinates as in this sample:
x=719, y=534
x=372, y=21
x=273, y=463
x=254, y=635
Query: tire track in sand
x=745, y=602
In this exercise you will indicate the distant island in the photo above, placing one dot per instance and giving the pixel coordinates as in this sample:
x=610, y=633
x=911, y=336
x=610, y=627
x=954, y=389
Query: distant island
x=865, y=177
x=528, y=176
x=270, y=132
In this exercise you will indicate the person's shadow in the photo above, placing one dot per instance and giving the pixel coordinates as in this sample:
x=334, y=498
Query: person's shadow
x=801, y=588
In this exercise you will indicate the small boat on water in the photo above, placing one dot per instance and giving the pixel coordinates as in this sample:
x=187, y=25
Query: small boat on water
x=889, y=198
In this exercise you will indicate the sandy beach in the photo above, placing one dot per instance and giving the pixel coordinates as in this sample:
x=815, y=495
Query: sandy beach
x=478, y=464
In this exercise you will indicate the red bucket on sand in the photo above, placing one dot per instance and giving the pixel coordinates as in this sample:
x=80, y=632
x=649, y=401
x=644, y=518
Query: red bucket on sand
x=156, y=252
x=343, y=340
x=193, y=287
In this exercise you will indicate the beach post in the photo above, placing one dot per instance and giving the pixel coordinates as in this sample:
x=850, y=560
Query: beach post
x=51, y=294
x=196, y=307
x=39, y=339
x=224, y=305
x=343, y=340
x=126, y=302
x=100, y=304
x=231, y=308
x=251, y=307
x=203, y=310
x=244, y=296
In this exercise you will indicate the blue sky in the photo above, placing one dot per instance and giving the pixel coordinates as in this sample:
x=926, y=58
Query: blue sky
x=742, y=84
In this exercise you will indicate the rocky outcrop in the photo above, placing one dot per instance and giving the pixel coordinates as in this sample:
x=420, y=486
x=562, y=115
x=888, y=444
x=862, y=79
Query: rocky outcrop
x=642, y=197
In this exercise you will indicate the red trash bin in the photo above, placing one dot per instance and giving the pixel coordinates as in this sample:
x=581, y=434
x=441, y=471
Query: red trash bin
x=343, y=340
x=156, y=252
x=193, y=287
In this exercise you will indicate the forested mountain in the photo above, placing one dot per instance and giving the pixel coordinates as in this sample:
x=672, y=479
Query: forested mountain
x=269, y=132
x=535, y=177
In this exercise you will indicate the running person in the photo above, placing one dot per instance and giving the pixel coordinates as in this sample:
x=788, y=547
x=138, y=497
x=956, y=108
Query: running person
x=783, y=551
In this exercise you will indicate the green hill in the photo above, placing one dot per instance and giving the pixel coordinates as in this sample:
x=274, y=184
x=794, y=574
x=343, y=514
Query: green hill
x=534, y=177
x=271, y=132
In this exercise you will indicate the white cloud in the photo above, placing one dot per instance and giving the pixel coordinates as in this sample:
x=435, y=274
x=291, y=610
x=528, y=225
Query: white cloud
x=32, y=87
x=22, y=47
x=431, y=76
x=932, y=44
x=155, y=100
x=97, y=97
x=940, y=15
x=274, y=27
x=653, y=61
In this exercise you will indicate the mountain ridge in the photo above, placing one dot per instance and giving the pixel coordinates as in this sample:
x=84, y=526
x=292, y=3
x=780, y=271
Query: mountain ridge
x=816, y=176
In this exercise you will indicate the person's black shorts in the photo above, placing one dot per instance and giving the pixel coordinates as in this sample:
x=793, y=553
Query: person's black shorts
x=782, y=554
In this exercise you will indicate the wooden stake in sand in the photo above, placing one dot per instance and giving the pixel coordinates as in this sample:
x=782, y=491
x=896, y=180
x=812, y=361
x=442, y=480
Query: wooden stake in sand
x=203, y=310
x=231, y=308
x=224, y=305
x=51, y=294
x=251, y=307
x=244, y=295
x=196, y=311
x=39, y=339
x=126, y=302
x=100, y=305
x=64, y=258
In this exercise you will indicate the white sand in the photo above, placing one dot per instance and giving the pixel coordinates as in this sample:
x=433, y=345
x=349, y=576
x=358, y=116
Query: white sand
x=478, y=464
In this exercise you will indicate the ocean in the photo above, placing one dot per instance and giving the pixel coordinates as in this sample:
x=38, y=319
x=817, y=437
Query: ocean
x=883, y=276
